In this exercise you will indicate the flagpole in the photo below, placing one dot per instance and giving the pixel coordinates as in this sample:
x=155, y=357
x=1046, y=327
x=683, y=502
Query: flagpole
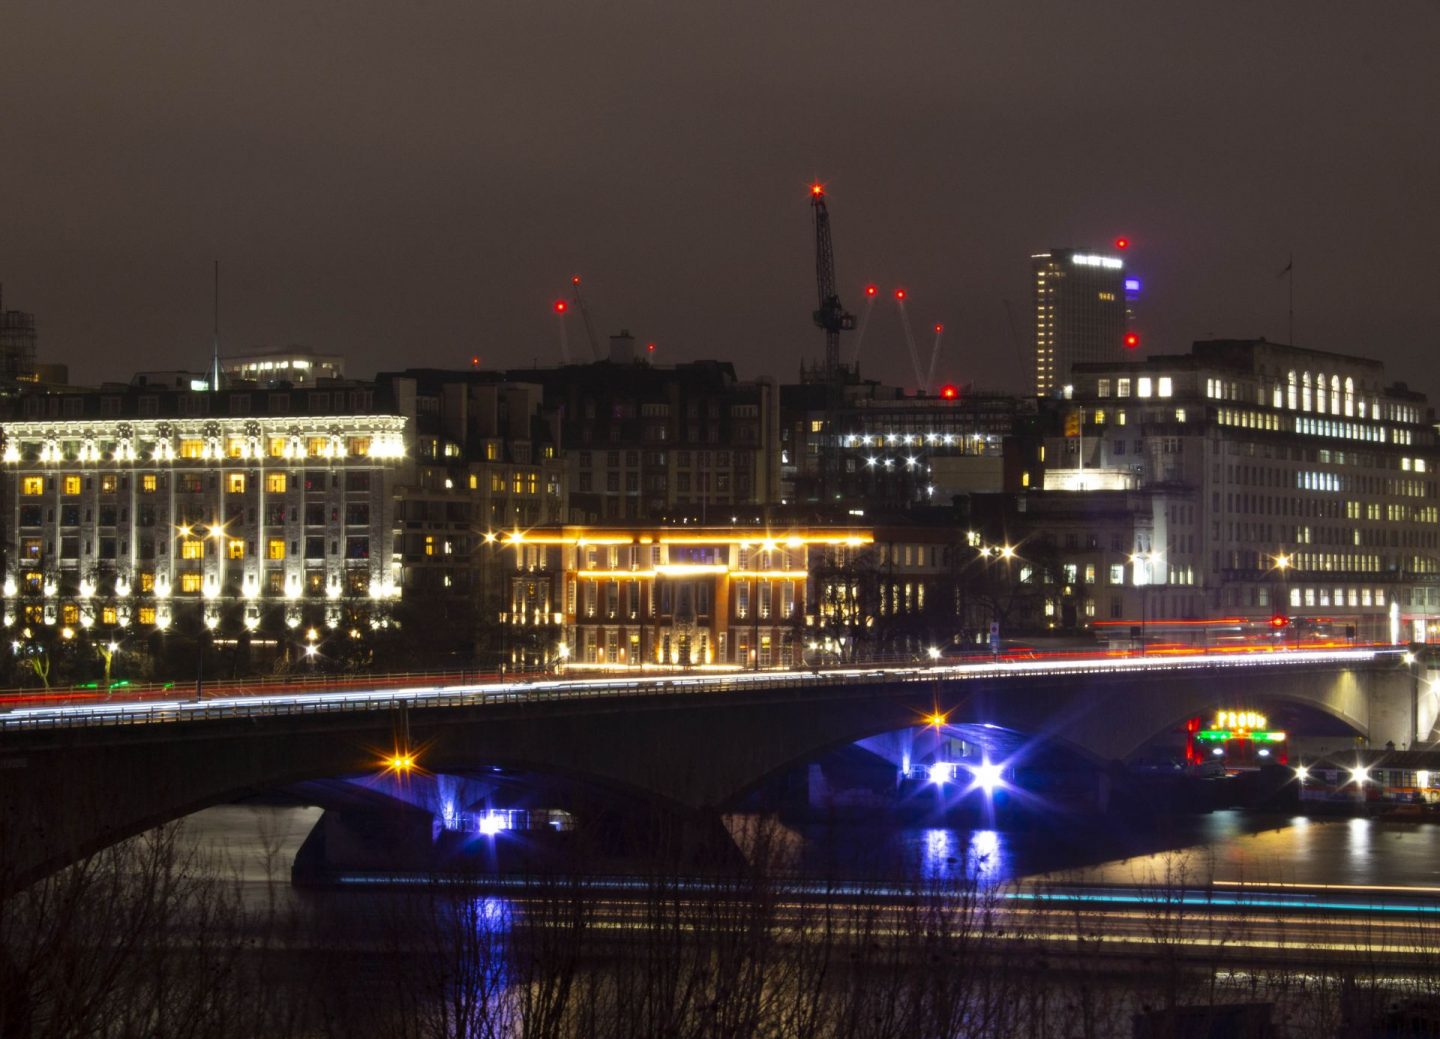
x=1290, y=331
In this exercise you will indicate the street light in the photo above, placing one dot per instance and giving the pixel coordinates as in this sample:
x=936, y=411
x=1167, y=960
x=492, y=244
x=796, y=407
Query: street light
x=1149, y=559
x=1282, y=563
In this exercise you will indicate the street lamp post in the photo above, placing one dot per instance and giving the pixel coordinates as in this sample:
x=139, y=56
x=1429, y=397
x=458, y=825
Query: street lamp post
x=1148, y=559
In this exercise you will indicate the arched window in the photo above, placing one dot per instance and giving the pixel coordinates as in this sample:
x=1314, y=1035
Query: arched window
x=1305, y=383
x=1349, y=396
x=1334, y=394
x=1291, y=401
x=1320, y=393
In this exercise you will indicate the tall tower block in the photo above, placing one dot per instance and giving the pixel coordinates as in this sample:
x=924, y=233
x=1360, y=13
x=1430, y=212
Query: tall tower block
x=1080, y=313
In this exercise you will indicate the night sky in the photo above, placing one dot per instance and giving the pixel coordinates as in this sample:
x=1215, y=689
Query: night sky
x=414, y=183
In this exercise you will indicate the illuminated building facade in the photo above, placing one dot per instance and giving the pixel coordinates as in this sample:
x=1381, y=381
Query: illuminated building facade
x=137, y=510
x=1080, y=313
x=671, y=596
x=1280, y=482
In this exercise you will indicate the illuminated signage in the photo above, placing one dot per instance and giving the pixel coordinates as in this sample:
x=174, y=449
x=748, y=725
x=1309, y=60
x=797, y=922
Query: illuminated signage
x=1091, y=260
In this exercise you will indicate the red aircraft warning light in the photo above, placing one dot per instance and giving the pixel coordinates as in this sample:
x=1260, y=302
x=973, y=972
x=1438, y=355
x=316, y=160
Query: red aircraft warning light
x=1132, y=340
x=949, y=392
x=560, y=306
x=939, y=329
x=817, y=190
x=650, y=347
x=574, y=279
x=870, y=290
x=1122, y=243
x=900, y=295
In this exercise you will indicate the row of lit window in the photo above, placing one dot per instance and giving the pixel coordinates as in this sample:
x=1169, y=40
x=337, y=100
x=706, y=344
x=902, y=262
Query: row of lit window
x=235, y=483
x=204, y=449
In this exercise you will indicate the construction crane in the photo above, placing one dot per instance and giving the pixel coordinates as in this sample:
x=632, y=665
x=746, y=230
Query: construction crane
x=585, y=315
x=831, y=315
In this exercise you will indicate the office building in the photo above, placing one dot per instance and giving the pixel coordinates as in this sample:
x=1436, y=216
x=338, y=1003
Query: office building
x=1080, y=313
x=1262, y=481
x=294, y=366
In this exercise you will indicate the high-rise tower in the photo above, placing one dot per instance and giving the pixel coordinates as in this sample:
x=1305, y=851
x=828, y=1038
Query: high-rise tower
x=1080, y=310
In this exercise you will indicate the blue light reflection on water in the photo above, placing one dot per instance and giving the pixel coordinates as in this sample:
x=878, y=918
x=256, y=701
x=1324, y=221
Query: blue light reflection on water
x=1223, y=846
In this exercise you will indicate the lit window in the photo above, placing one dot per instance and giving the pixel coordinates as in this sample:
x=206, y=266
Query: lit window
x=275, y=548
x=148, y=483
x=69, y=614
x=275, y=483
x=192, y=448
x=108, y=483
x=235, y=548
x=147, y=581
x=71, y=485
x=277, y=447
x=192, y=548
x=359, y=446
x=146, y=614
x=1122, y=388
x=32, y=485
x=235, y=483
x=1165, y=386
x=109, y=615
x=1143, y=386
x=190, y=582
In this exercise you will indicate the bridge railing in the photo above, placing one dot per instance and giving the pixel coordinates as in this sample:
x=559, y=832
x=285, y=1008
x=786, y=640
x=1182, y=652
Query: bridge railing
x=406, y=692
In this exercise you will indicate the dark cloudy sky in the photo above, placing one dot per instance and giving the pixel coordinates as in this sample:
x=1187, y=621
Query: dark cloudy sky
x=413, y=183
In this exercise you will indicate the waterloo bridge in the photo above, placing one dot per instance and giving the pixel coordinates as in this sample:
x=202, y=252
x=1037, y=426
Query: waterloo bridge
x=75, y=778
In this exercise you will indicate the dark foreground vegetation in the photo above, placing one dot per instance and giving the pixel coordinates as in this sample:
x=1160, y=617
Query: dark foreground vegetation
x=151, y=938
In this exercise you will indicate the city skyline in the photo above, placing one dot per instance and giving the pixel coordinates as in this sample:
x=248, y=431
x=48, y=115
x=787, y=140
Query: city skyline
x=429, y=188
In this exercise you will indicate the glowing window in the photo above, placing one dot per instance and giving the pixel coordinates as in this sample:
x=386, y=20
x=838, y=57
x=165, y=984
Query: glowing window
x=192, y=448
x=235, y=548
x=146, y=614
x=148, y=483
x=109, y=615
x=235, y=483
x=146, y=582
x=190, y=583
x=1165, y=386
x=71, y=485
x=192, y=548
x=32, y=485
x=275, y=483
x=275, y=548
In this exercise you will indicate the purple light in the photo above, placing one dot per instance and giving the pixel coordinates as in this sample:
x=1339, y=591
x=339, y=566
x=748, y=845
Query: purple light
x=987, y=776
x=493, y=822
x=1132, y=284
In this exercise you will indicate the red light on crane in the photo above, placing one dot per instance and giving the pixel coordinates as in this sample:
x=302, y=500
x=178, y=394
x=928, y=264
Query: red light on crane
x=1122, y=243
x=939, y=329
x=949, y=392
x=574, y=279
x=475, y=361
x=1132, y=340
x=870, y=290
x=650, y=347
x=900, y=295
x=560, y=306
